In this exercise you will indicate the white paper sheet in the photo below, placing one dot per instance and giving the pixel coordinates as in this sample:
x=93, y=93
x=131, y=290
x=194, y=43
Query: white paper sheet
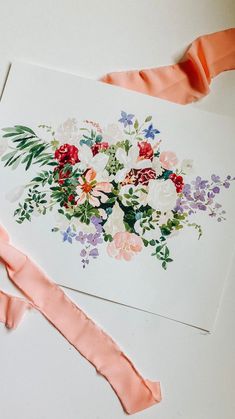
x=189, y=290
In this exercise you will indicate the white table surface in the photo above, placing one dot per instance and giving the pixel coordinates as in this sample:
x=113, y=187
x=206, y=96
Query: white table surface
x=41, y=375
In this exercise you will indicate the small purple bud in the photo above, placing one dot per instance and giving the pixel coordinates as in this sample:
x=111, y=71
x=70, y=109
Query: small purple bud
x=83, y=253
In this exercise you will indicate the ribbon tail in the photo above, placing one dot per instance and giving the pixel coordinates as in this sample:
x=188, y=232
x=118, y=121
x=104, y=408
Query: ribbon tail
x=91, y=341
x=189, y=80
x=12, y=310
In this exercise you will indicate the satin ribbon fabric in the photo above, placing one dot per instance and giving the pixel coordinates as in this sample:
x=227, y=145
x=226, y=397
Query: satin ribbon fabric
x=188, y=80
x=134, y=392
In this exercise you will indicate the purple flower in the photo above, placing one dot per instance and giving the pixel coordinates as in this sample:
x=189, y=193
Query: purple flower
x=202, y=207
x=83, y=253
x=216, y=189
x=226, y=184
x=94, y=253
x=187, y=188
x=199, y=183
x=215, y=178
x=126, y=119
x=68, y=235
x=199, y=195
x=96, y=220
x=150, y=132
x=97, y=223
x=94, y=239
x=81, y=237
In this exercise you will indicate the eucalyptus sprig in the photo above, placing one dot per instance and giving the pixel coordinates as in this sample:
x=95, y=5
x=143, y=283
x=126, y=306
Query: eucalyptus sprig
x=29, y=148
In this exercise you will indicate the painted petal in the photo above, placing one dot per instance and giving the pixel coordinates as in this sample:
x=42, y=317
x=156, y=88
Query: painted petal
x=90, y=175
x=121, y=174
x=143, y=164
x=99, y=162
x=93, y=201
x=134, y=154
x=103, y=186
x=122, y=156
x=82, y=198
x=85, y=154
x=103, y=176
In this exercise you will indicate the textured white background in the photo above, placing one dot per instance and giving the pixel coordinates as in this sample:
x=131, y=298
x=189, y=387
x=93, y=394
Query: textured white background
x=41, y=375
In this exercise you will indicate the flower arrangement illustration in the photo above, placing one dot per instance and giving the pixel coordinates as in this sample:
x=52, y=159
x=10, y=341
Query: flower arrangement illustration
x=111, y=185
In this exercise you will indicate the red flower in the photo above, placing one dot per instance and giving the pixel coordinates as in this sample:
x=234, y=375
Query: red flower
x=67, y=153
x=178, y=181
x=146, y=150
x=99, y=146
x=143, y=176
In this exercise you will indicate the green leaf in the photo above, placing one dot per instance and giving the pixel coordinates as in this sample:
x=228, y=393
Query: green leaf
x=8, y=156
x=149, y=118
x=159, y=248
x=164, y=265
x=136, y=125
x=29, y=162
x=23, y=128
x=145, y=242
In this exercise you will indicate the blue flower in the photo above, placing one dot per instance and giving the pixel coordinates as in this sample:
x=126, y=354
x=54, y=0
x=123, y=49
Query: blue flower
x=150, y=132
x=68, y=235
x=126, y=119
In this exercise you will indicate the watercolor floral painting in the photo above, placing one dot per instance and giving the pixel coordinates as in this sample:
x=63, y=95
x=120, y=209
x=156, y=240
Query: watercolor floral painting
x=114, y=186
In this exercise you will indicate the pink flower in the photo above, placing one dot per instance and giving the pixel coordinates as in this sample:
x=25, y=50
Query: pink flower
x=124, y=246
x=89, y=189
x=168, y=159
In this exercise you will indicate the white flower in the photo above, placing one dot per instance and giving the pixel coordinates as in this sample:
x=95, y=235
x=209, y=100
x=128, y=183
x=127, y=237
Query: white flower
x=162, y=195
x=187, y=166
x=68, y=132
x=156, y=165
x=137, y=191
x=130, y=161
x=115, y=223
x=3, y=145
x=97, y=162
x=112, y=134
x=15, y=193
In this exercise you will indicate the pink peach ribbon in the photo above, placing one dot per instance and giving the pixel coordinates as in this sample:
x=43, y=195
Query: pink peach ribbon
x=188, y=80
x=134, y=392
